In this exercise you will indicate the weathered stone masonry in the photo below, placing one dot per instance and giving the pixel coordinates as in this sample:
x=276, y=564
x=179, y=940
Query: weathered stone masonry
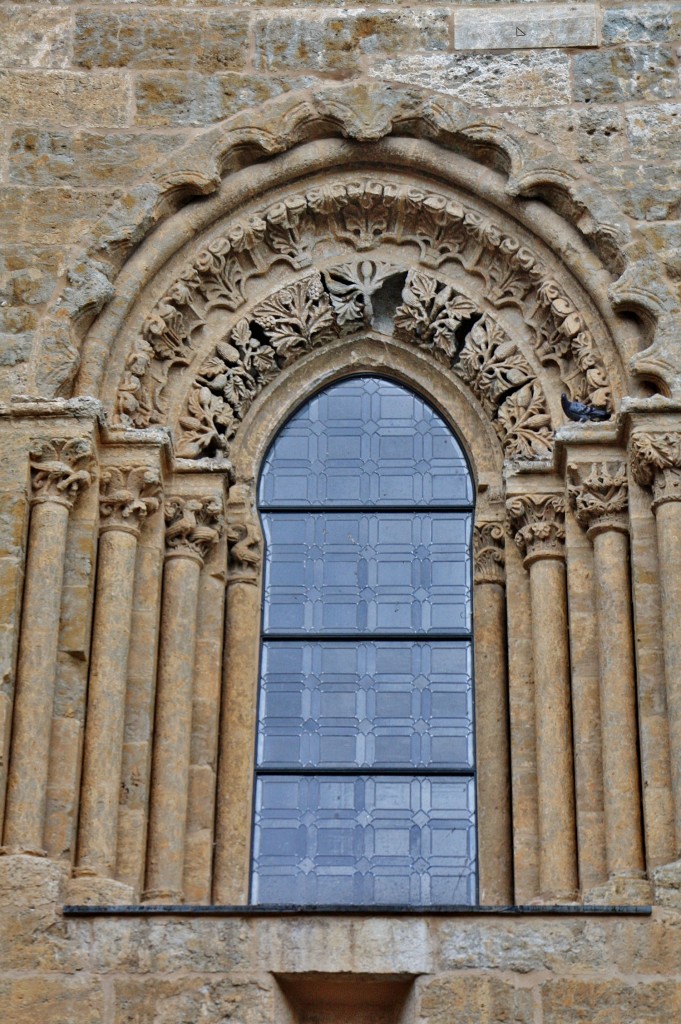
x=202, y=225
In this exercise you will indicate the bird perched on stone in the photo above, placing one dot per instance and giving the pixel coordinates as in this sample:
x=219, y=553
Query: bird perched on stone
x=579, y=412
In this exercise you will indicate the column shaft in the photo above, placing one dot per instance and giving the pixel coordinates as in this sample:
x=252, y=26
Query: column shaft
x=621, y=780
x=106, y=703
x=492, y=744
x=669, y=544
x=27, y=786
x=172, y=733
x=558, y=855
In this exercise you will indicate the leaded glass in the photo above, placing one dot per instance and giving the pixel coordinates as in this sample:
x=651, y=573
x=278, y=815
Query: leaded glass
x=368, y=442
x=365, y=499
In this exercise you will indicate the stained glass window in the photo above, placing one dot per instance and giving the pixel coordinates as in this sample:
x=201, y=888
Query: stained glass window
x=365, y=772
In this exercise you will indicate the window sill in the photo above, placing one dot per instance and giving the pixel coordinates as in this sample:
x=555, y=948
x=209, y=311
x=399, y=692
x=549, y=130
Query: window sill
x=527, y=910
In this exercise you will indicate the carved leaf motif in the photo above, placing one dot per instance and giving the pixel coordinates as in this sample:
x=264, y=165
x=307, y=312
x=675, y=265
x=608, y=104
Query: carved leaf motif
x=221, y=278
x=367, y=215
x=295, y=317
x=525, y=423
x=352, y=285
x=431, y=314
x=490, y=364
x=210, y=423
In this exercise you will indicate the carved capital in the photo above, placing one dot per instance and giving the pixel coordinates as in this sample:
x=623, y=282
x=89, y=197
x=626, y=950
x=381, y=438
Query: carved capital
x=656, y=463
x=599, y=495
x=489, y=558
x=193, y=525
x=538, y=522
x=60, y=470
x=127, y=496
x=244, y=544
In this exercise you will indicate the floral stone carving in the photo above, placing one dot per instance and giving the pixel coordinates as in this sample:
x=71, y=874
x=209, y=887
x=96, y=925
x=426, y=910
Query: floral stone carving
x=538, y=522
x=60, y=469
x=656, y=463
x=364, y=214
x=489, y=559
x=127, y=496
x=599, y=495
x=193, y=525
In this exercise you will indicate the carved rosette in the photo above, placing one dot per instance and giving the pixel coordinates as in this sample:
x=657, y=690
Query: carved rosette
x=489, y=558
x=599, y=495
x=127, y=495
x=364, y=214
x=538, y=522
x=656, y=464
x=193, y=526
x=60, y=470
x=244, y=545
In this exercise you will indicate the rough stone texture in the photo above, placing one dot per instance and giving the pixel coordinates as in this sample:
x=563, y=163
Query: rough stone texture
x=99, y=102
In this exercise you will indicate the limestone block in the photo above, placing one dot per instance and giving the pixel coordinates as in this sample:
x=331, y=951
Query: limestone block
x=207, y=41
x=559, y=24
x=585, y=135
x=654, y=131
x=35, y=38
x=28, y=274
x=647, y=192
x=651, y=950
x=338, y=43
x=28, y=1000
x=609, y=1002
x=209, y=945
x=56, y=214
x=639, y=23
x=154, y=1000
x=539, y=78
x=474, y=1000
x=63, y=786
x=625, y=73
x=47, y=158
x=524, y=946
x=64, y=98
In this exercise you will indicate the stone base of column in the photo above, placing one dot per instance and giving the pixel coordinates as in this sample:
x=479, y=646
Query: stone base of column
x=621, y=891
x=162, y=897
x=95, y=891
x=555, y=899
x=667, y=884
x=31, y=882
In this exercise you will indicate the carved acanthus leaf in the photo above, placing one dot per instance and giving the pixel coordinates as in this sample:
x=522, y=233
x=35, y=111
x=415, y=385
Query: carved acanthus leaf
x=491, y=365
x=128, y=495
x=656, y=463
x=524, y=423
x=489, y=558
x=60, y=469
x=193, y=525
x=363, y=213
x=431, y=315
x=244, y=545
x=599, y=495
x=351, y=287
x=538, y=522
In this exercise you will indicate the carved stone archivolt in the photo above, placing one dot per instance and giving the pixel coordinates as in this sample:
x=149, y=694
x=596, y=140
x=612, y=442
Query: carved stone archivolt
x=60, y=469
x=598, y=494
x=414, y=299
x=656, y=463
x=538, y=522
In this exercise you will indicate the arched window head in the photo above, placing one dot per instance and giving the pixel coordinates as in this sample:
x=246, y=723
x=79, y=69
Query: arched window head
x=365, y=784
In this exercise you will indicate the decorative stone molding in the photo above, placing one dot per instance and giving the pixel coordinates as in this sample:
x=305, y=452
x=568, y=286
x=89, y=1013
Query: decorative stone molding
x=363, y=214
x=599, y=495
x=244, y=545
x=58, y=470
x=303, y=316
x=193, y=525
x=489, y=559
x=656, y=463
x=127, y=496
x=538, y=522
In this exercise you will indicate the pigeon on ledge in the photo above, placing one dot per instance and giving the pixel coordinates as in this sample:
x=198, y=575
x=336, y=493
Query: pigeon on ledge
x=578, y=412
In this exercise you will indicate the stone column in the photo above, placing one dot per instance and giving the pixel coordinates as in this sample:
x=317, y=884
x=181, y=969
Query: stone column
x=539, y=522
x=238, y=721
x=127, y=496
x=58, y=473
x=193, y=525
x=493, y=769
x=598, y=492
x=656, y=463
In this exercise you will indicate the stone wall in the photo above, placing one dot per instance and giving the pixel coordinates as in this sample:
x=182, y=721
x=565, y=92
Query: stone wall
x=93, y=95
x=98, y=104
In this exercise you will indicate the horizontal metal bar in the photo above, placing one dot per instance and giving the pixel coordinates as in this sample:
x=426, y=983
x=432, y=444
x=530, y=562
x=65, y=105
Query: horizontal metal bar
x=391, y=509
x=373, y=770
x=374, y=910
x=368, y=637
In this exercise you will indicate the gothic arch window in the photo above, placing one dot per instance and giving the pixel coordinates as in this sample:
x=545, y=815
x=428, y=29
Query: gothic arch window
x=365, y=772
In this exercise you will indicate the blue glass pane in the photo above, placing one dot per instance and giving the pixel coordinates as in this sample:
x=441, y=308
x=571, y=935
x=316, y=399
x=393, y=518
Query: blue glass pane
x=350, y=572
x=369, y=442
x=360, y=705
x=364, y=840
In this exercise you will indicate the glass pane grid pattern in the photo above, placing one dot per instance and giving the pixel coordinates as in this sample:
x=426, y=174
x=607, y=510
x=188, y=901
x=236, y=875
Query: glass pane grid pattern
x=365, y=787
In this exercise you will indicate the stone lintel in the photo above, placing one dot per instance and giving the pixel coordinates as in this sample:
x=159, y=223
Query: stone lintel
x=527, y=27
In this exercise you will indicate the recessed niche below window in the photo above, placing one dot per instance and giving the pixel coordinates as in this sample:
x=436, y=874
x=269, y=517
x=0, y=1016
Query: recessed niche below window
x=321, y=998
